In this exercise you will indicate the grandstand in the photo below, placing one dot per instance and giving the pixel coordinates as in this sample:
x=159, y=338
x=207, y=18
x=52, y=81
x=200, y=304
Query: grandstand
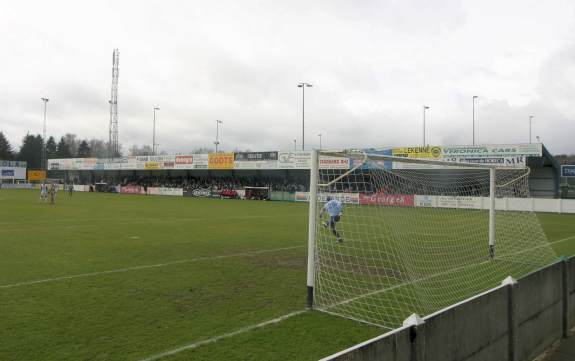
x=285, y=173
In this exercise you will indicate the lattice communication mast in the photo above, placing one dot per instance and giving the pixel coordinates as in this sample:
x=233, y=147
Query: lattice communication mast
x=113, y=140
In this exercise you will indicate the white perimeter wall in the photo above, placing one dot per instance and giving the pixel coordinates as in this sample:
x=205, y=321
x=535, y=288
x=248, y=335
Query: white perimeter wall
x=507, y=204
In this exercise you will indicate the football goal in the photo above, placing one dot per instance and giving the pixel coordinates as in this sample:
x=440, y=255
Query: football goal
x=415, y=235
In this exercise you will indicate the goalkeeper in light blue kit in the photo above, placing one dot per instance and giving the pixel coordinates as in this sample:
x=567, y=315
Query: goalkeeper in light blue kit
x=334, y=209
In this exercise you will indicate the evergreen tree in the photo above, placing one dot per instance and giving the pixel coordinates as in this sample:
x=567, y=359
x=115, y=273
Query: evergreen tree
x=31, y=151
x=83, y=150
x=63, y=150
x=6, y=152
x=51, y=148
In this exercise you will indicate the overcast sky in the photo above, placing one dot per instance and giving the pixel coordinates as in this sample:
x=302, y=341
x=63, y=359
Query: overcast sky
x=373, y=64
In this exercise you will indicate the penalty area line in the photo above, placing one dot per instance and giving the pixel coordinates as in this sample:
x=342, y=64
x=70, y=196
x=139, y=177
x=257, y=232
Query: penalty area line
x=136, y=268
x=563, y=239
x=220, y=337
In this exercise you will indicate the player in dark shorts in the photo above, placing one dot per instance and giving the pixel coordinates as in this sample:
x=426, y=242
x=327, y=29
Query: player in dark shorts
x=334, y=208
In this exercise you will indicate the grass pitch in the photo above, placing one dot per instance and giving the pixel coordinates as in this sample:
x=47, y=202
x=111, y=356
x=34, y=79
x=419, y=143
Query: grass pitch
x=126, y=277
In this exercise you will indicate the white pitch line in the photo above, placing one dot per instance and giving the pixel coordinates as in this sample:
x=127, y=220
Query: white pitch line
x=220, y=337
x=563, y=239
x=135, y=268
x=137, y=220
x=540, y=246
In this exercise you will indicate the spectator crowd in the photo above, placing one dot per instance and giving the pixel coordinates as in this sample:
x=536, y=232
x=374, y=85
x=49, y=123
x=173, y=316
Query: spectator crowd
x=296, y=184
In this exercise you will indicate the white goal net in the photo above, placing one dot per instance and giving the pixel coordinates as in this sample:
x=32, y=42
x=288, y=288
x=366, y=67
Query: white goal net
x=417, y=236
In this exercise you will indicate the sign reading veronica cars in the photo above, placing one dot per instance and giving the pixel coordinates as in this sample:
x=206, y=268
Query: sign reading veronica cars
x=499, y=154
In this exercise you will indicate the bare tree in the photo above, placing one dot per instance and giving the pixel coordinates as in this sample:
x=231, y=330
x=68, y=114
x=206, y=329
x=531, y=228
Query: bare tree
x=143, y=150
x=72, y=142
x=98, y=148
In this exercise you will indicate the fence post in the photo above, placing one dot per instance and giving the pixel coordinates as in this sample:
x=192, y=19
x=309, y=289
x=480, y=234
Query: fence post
x=565, y=297
x=416, y=337
x=510, y=282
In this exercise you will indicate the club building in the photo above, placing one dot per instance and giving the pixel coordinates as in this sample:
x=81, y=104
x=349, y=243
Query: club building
x=292, y=167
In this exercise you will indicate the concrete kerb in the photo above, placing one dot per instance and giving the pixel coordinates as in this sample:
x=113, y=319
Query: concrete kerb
x=359, y=346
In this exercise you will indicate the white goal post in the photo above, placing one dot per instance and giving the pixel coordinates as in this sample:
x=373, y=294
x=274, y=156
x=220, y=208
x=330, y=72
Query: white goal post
x=415, y=234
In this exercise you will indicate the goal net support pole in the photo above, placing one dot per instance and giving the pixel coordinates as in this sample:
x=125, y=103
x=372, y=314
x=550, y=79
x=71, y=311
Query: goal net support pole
x=313, y=182
x=492, y=212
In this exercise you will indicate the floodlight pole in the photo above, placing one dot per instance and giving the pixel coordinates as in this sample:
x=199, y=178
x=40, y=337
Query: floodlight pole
x=425, y=107
x=294, y=144
x=217, y=142
x=319, y=135
x=474, y=97
x=492, y=191
x=303, y=86
x=43, y=154
x=313, y=181
x=530, y=123
x=154, y=133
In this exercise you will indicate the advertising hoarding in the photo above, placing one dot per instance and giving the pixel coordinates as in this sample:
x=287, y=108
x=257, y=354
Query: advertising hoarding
x=255, y=156
x=294, y=160
x=221, y=161
x=198, y=192
x=131, y=189
x=256, y=160
x=418, y=152
x=334, y=163
x=348, y=198
x=510, y=155
x=36, y=175
x=184, y=162
x=394, y=200
x=13, y=170
x=153, y=165
x=164, y=191
x=568, y=171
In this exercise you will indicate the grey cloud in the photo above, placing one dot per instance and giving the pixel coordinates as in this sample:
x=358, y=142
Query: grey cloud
x=373, y=64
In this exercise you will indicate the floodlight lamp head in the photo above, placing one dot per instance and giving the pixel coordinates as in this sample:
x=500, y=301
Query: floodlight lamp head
x=475, y=97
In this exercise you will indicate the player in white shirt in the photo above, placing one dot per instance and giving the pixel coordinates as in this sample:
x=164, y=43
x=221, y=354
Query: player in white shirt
x=43, y=192
x=334, y=208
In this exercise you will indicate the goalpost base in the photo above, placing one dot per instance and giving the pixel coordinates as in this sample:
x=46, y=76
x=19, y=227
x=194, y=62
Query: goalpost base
x=310, y=297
